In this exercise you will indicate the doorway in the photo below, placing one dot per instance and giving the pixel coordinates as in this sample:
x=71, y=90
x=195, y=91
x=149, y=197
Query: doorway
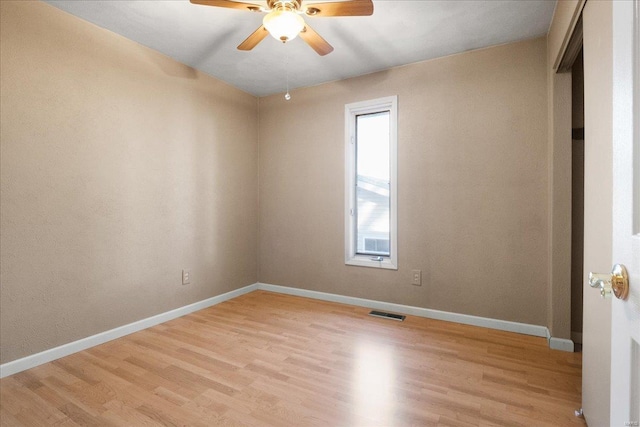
x=577, y=197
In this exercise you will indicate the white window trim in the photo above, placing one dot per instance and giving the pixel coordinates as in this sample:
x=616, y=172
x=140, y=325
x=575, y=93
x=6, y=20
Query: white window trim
x=390, y=104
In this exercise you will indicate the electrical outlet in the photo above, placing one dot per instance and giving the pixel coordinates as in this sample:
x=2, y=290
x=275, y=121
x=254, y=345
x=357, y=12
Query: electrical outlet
x=186, y=277
x=416, y=277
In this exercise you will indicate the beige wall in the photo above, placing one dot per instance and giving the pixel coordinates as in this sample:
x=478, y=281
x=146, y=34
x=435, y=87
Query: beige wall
x=472, y=202
x=119, y=168
x=598, y=198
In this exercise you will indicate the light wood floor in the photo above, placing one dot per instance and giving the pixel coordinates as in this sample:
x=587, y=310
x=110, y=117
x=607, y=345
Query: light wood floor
x=266, y=359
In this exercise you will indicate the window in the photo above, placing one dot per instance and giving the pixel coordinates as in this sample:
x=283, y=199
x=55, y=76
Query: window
x=370, y=183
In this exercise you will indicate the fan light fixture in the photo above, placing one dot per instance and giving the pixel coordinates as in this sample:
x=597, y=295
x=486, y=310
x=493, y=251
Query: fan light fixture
x=283, y=24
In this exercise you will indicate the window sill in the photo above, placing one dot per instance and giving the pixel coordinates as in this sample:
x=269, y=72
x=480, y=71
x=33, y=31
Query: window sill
x=365, y=261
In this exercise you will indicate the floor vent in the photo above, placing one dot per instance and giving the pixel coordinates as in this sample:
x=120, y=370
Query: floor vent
x=385, y=315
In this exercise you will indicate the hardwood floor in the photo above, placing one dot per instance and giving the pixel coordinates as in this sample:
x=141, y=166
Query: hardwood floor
x=267, y=359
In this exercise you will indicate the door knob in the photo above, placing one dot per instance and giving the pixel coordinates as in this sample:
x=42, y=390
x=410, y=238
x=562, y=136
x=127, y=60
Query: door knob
x=617, y=282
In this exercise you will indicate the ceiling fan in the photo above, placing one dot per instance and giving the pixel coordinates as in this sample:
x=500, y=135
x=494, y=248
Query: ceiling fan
x=284, y=21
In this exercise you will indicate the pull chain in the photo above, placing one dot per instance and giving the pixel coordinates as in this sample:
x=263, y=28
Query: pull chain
x=287, y=96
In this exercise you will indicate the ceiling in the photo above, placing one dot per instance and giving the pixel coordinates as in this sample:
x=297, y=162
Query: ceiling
x=398, y=33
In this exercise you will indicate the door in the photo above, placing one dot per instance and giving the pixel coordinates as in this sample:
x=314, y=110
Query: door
x=625, y=313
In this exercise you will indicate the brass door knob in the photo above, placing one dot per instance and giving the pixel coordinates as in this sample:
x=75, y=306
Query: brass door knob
x=617, y=282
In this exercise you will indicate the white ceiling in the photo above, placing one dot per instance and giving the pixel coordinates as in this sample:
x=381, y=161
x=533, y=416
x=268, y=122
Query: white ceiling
x=398, y=33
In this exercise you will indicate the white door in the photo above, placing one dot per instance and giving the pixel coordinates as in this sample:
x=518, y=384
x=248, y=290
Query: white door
x=625, y=314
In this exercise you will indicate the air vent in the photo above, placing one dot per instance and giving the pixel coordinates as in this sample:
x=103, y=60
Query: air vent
x=385, y=315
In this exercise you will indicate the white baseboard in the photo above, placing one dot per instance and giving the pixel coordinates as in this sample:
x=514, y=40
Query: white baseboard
x=502, y=325
x=561, y=344
x=50, y=355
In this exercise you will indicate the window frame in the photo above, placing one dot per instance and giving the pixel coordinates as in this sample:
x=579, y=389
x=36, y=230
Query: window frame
x=352, y=110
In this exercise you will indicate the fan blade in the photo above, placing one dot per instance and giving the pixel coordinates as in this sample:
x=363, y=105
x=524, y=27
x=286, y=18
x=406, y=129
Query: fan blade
x=316, y=42
x=343, y=8
x=256, y=37
x=230, y=4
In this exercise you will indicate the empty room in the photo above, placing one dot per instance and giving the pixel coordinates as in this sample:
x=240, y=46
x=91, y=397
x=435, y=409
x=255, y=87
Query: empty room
x=308, y=213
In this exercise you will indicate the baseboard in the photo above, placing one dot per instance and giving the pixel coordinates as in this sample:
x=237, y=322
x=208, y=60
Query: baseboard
x=561, y=344
x=50, y=355
x=502, y=325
